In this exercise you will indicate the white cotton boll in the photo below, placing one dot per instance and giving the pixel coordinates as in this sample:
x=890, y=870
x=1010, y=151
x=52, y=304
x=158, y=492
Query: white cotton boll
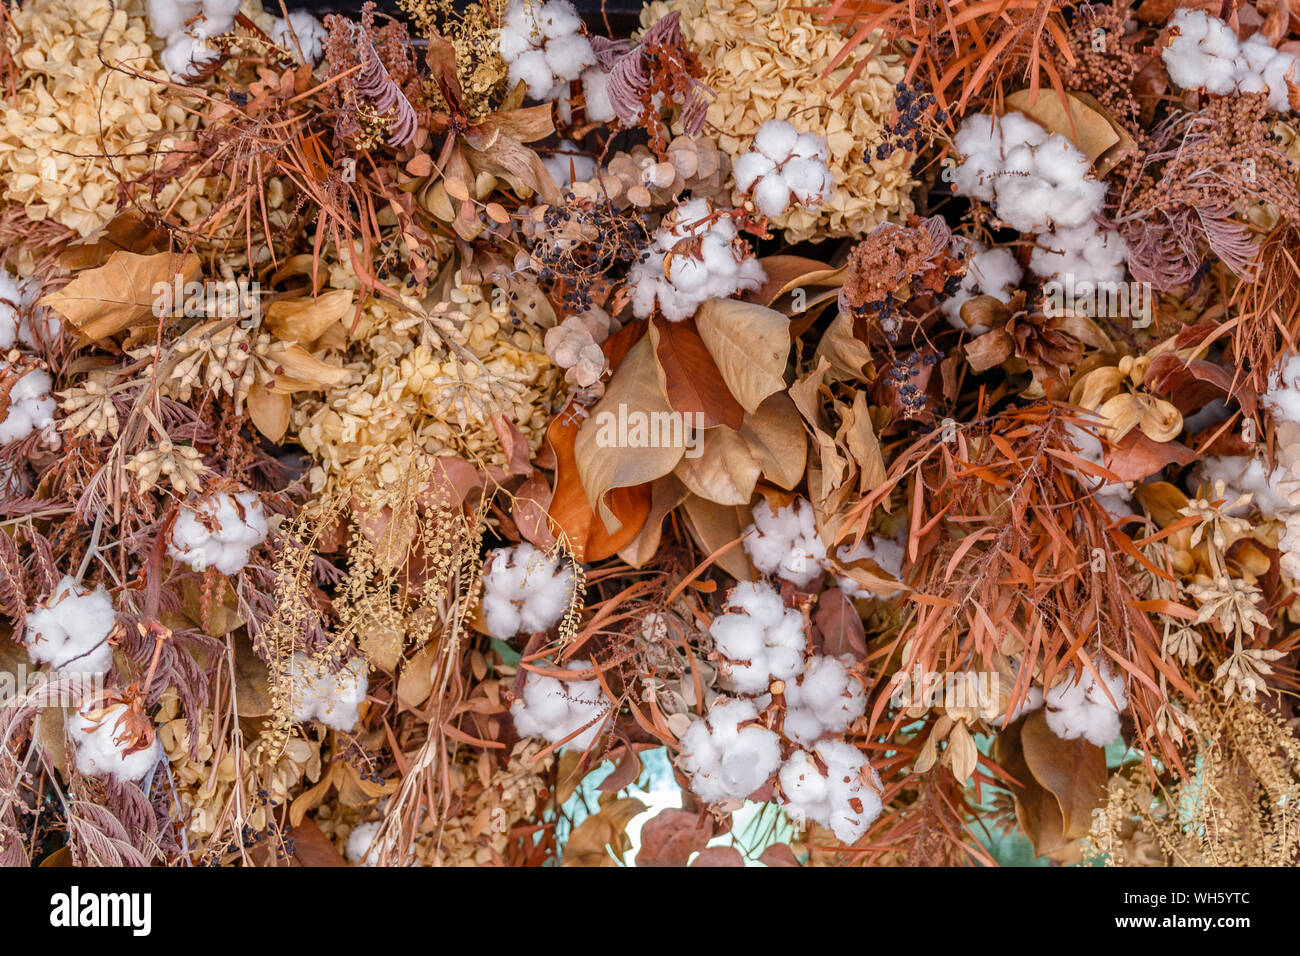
x=724, y=760
x=1024, y=204
x=1112, y=683
x=1080, y=708
x=738, y=636
x=979, y=135
x=1279, y=70
x=538, y=586
x=69, y=629
x=811, y=146
x=555, y=709
x=167, y=17
x=992, y=272
x=185, y=56
x=557, y=19
x=31, y=409
x=758, y=600
x=1059, y=162
x=749, y=761
x=977, y=177
x=751, y=275
x=726, y=269
x=776, y=140
x=309, y=32
x=1192, y=24
x=691, y=275
x=319, y=693
x=772, y=195
x=101, y=749
x=531, y=69
x=809, y=181
x=750, y=167
x=784, y=542
x=513, y=42
x=839, y=798
x=359, y=849
x=11, y=298
x=1019, y=128
x=1282, y=397
x=825, y=698
x=760, y=639
x=1019, y=161
x=1218, y=76
x=1219, y=40
x=219, y=532
x=568, y=56
x=595, y=92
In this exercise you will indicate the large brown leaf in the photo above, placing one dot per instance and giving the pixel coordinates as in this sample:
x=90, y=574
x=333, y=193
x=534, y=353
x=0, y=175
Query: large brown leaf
x=604, y=462
x=690, y=378
x=776, y=439
x=749, y=343
x=1062, y=781
x=671, y=836
x=724, y=471
x=571, y=510
x=120, y=294
x=1073, y=771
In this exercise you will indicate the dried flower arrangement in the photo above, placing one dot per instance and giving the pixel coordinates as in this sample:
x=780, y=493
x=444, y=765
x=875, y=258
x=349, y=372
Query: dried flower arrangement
x=886, y=414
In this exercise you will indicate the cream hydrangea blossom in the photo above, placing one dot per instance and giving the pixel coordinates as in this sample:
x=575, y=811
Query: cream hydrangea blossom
x=70, y=108
x=771, y=61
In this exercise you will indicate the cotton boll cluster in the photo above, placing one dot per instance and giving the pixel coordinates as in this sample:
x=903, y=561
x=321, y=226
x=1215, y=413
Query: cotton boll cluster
x=1085, y=256
x=544, y=47
x=553, y=709
x=16, y=302
x=726, y=761
x=31, y=409
x=567, y=165
x=993, y=272
x=1034, y=180
x=887, y=553
x=1204, y=53
x=717, y=266
x=219, y=532
x=320, y=693
x=784, y=542
x=839, y=798
x=525, y=590
x=69, y=629
x=761, y=640
x=784, y=167
x=825, y=699
x=186, y=26
x=101, y=747
x=302, y=32
x=1081, y=708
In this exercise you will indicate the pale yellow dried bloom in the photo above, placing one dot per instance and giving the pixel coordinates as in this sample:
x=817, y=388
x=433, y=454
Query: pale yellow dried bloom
x=767, y=60
x=75, y=128
x=430, y=377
